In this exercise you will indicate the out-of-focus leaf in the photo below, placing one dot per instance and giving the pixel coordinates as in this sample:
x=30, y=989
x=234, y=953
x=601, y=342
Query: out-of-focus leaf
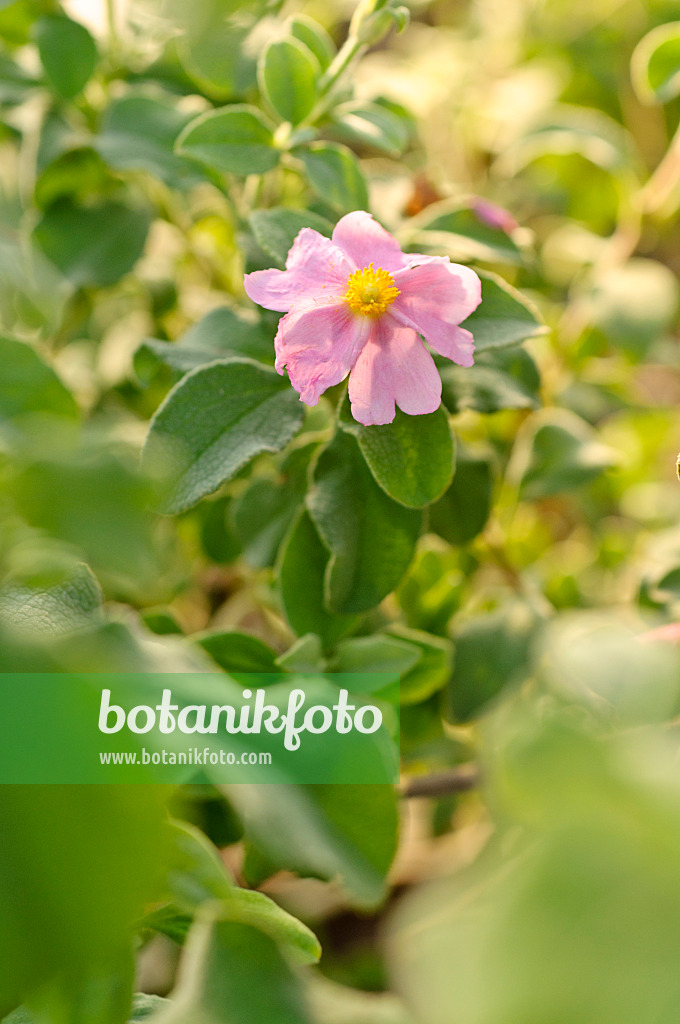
x=371, y=124
x=301, y=572
x=305, y=655
x=314, y=37
x=214, y=421
x=462, y=512
x=321, y=831
x=139, y=133
x=499, y=379
x=276, y=229
x=634, y=304
x=67, y=51
x=655, y=64
x=504, y=317
x=562, y=453
x=377, y=653
x=92, y=245
x=433, y=669
x=492, y=651
x=288, y=73
x=335, y=174
x=222, y=332
x=74, y=604
x=371, y=538
x=239, y=652
x=455, y=228
x=235, y=139
x=29, y=385
x=411, y=458
x=221, y=975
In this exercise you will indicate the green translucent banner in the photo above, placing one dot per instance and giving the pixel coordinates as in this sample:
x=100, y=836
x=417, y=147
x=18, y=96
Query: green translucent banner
x=197, y=727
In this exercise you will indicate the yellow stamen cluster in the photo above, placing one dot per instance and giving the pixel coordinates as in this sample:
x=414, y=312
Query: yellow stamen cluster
x=370, y=292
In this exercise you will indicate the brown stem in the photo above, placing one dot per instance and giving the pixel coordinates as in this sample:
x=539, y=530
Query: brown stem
x=455, y=780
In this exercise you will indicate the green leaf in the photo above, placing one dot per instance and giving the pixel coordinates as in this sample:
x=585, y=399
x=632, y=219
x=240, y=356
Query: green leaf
x=504, y=317
x=335, y=174
x=292, y=936
x=72, y=900
x=213, y=422
x=29, y=385
x=239, y=652
x=372, y=125
x=276, y=229
x=456, y=229
x=92, y=245
x=655, y=64
x=139, y=133
x=562, y=453
x=67, y=51
x=314, y=37
x=433, y=669
x=287, y=75
x=492, y=652
x=75, y=603
x=370, y=537
x=301, y=575
x=222, y=332
x=144, y=1007
x=411, y=458
x=263, y=514
x=378, y=653
x=221, y=974
x=499, y=379
x=235, y=139
x=463, y=511
x=305, y=655
x=321, y=831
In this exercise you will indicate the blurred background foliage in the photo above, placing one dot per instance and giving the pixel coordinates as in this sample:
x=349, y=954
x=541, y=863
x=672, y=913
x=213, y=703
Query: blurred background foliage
x=151, y=153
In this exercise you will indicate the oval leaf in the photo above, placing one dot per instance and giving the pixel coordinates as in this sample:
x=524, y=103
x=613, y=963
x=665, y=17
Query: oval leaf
x=67, y=51
x=288, y=75
x=234, y=139
x=504, y=317
x=214, y=421
x=411, y=458
x=334, y=173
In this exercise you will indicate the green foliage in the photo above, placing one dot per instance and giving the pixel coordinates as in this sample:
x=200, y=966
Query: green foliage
x=235, y=139
x=67, y=51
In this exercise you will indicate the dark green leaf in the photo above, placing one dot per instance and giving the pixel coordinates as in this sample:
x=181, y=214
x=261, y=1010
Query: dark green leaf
x=411, y=458
x=29, y=385
x=499, y=379
x=563, y=453
x=239, y=652
x=235, y=139
x=463, y=511
x=431, y=672
x=504, y=317
x=370, y=537
x=214, y=421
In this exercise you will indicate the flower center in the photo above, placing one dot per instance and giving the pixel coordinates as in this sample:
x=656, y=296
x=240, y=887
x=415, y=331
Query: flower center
x=370, y=292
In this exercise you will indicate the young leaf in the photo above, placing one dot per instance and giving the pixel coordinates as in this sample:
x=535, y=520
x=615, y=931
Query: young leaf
x=218, y=418
x=411, y=458
x=378, y=653
x=370, y=537
x=288, y=74
x=504, y=317
x=234, y=139
x=67, y=51
x=335, y=174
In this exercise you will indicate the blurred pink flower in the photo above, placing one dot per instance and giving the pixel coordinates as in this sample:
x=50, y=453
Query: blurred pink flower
x=357, y=304
x=494, y=216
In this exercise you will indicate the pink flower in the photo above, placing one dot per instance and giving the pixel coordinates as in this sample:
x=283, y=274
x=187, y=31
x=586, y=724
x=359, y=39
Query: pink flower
x=356, y=305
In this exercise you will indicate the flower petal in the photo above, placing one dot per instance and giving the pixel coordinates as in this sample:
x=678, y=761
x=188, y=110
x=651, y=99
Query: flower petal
x=319, y=345
x=434, y=298
x=364, y=241
x=394, y=366
x=315, y=269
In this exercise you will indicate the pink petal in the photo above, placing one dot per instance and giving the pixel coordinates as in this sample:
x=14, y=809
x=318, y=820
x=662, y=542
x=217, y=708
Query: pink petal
x=394, y=366
x=319, y=345
x=435, y=297
x=315, y=269
x=364, y=241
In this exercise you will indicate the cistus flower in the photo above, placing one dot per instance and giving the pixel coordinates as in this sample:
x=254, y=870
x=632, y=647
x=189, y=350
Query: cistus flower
x=356, y=304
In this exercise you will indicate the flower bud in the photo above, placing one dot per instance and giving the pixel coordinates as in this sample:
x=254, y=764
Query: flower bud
x=373, y=19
